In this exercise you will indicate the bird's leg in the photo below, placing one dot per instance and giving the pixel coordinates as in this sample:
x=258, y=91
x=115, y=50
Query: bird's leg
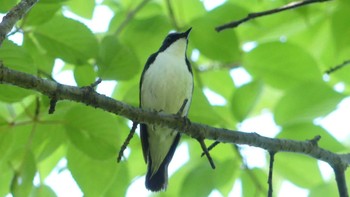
x=127, y=140
x=184, y=119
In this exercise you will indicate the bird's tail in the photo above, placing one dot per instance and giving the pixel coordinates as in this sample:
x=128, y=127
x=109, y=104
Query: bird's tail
x=159, y=180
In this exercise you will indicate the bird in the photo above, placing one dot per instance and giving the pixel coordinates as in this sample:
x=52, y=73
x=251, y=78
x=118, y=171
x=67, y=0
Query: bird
x=166, y=82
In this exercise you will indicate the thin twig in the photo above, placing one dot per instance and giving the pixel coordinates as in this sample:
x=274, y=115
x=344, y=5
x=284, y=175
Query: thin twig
x=339, y=172
x=213, y=145
x=172, y=15
x=14, y=15
x=130, y=16
x=269, y=180
x=333, y=69
x=127, y=140
x=254, y=15
x=205, y=150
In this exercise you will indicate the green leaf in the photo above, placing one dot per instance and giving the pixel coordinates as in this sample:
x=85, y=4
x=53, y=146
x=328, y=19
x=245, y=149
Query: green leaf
x=282, y=65
x=294, y=167
x=254, y=182
x=74, y=43
x=47, y=139
x=5, y=178
x=43, y=191
x=94, y=177
x=11, y=94
x=201, y=110
x=116, y=60
x=94, y=133
x=307, y=131
x=210, y=81
x=187, y=10
x=145, y=35
x=221, y=46
x=17, y=58
x=41, y=59
x=83, y=8
x=49, y=163
x=306, y=102
x=340, y=30
x=324, y=189
x=245, y=98
x=22, y=183
x=40, y=13
x=6, y=5
x=195, y=179
x=84, y=75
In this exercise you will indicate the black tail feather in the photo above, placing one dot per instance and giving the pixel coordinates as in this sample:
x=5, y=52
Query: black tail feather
x=159, y=180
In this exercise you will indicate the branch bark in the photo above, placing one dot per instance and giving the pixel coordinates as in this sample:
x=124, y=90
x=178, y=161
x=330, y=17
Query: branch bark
x=254, y=15
x=195, y=130
x=15, y=14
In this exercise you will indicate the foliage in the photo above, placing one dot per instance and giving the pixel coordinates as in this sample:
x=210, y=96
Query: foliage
x=291, y=52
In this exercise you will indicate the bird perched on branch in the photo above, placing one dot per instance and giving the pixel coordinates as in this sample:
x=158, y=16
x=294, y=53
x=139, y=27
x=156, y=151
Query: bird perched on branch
x=165, y=84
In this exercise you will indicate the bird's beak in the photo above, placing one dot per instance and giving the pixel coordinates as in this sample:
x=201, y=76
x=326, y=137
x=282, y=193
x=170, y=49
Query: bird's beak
x=186, y=33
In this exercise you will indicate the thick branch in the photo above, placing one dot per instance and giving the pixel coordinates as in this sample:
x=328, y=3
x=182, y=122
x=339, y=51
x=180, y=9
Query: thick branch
x=254, y=15
x=13, y=16
x=194, y=130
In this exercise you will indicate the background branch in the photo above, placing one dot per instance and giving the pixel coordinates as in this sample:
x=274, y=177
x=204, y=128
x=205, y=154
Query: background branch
x=15, y=14
x=130, y=16
x=254, y=15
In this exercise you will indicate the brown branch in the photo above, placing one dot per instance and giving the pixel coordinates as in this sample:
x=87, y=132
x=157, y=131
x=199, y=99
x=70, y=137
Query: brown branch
x=65, y=92
x=15, y=14
x=254, y=15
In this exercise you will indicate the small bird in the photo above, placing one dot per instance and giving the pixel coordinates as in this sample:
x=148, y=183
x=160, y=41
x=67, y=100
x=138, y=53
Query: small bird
x=165, y=84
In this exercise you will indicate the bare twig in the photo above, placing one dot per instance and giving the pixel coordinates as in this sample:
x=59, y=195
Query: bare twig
x=127, y=140
x=269, y=180
x=333, y=69
x=339, y=172
x=206, y=152
x=130, y=16
x=213, y=145
x=15, y=14
x=254, y=15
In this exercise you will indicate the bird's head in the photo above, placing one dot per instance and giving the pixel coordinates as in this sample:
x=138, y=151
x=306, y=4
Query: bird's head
x=176, y=42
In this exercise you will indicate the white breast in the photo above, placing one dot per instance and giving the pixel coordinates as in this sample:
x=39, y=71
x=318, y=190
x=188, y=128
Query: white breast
x=166, y=84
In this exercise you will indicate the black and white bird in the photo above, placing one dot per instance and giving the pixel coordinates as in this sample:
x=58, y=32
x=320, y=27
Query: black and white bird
x=165, y=83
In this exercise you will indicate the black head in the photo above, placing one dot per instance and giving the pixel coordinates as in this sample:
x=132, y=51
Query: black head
x=173, y=37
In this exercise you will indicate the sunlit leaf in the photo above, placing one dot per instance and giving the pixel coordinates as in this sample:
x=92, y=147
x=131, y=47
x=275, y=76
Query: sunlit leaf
x=245, y=98
x=294, y=107
x=116, y=60
x=74, y=43
x=282, y=65
x=94, y=133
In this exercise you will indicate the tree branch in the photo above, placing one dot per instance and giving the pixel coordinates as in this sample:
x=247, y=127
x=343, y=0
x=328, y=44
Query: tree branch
x=194, y=130
x=15, y=14
x=337, y=67
x=130, y=16
x=254, y=15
